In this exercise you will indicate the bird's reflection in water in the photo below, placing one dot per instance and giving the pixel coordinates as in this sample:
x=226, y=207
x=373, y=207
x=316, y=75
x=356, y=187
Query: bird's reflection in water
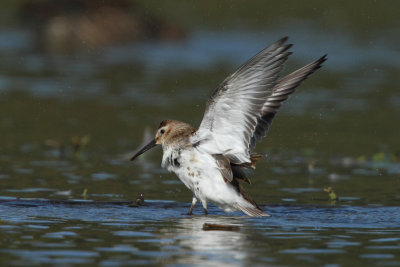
x=211, y=247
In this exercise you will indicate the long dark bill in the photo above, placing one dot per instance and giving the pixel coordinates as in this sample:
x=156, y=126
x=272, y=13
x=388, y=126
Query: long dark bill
x=144, y=149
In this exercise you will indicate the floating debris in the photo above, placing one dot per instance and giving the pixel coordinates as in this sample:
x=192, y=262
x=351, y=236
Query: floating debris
x=311, y=166
x=331, y=193
x=79, y=144
x=76, y=147
x=84, y=194
x=139, y=201
x=220, y=227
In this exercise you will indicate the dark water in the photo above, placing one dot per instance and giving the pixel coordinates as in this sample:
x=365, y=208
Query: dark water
x=70, y=121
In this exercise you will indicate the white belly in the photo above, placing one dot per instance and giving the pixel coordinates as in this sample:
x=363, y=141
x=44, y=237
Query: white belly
x=200, y=173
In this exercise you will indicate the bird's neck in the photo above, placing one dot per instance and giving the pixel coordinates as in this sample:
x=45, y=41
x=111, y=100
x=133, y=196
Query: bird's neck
x=171, y=156
x=172, y=153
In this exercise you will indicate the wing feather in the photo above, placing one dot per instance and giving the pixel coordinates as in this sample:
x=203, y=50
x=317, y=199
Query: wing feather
x=281, y=91
x=234, y=107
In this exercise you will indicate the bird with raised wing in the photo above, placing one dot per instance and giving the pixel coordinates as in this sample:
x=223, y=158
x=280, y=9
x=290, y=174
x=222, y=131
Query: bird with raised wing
x=212, y=159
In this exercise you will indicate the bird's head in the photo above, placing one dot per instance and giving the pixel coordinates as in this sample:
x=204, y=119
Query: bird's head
x=169, y=132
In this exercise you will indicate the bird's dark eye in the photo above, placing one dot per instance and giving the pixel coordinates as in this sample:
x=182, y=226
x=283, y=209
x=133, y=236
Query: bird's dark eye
x=162, y=131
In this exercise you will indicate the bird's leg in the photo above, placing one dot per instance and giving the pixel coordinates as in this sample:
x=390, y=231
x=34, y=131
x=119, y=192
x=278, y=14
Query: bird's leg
x=204, y=207
x=194, y=201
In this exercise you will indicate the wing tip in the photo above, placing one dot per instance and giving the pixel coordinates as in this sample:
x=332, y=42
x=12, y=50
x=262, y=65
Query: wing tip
x=322, y=59
x=309, y=68
x=283, y=39
x=278, y=45
x=313, y=66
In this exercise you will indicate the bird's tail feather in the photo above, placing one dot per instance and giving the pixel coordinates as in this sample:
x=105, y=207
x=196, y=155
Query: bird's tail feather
x=249, y=206
x=252, y=210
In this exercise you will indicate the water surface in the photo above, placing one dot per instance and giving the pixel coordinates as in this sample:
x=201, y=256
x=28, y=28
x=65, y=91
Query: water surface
x=69, y=123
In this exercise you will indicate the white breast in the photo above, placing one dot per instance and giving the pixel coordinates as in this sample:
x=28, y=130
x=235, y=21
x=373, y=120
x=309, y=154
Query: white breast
x=190, y=167
x=200, y=173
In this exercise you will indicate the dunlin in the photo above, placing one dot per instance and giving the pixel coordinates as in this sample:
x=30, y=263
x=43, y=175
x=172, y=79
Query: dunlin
x=211, y=159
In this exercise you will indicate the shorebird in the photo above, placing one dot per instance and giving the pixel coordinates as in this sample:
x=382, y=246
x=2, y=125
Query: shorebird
x=211, y=159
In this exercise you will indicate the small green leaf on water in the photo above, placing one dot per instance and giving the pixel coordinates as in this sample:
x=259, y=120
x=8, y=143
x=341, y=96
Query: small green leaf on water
x=85, y=140
x=311, y=166
x=331, y=193
x=378, y=157
x=362, y=158
x=84, y=194
x=79, y=144
x=308, y=152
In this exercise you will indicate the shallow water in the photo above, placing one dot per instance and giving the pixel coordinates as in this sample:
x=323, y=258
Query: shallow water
x=160, y=233
x=70, y=122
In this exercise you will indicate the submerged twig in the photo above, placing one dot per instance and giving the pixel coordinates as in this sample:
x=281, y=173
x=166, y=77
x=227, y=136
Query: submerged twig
x=219, y=227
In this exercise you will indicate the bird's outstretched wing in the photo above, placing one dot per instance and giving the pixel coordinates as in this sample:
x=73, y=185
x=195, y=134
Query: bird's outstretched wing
x=235, y=105
x=242, y=107
x=281, y=91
